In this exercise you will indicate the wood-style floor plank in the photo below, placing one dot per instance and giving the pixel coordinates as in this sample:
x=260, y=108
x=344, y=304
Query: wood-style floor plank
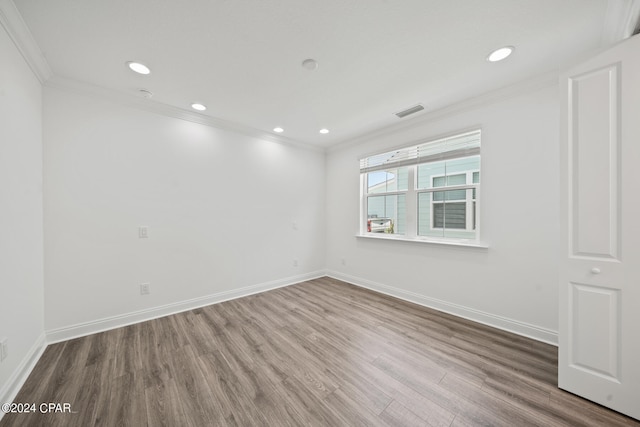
x=125, y=407
x=397, y=414
x=320, y=353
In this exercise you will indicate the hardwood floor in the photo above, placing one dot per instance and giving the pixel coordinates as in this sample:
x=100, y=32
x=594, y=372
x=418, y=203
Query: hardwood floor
x=321, y=353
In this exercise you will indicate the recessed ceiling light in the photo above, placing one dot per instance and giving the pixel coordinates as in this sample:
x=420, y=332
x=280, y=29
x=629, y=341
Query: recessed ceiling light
x=500, y=54
x=278, y=129
x=324, y=131
x=138, y=67
x=310, y=64
x=198, y=107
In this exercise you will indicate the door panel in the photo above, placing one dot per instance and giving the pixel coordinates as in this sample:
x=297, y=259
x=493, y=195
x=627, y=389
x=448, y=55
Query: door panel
x=595, y=343
x=599, y=319
x=593, y=139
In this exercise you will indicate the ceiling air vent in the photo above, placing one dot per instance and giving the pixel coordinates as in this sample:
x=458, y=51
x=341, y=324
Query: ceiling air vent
x=409, y=111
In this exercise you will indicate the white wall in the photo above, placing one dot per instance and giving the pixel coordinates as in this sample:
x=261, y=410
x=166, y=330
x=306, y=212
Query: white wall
x=21, y=277
x=513, y=283
x=220, y=208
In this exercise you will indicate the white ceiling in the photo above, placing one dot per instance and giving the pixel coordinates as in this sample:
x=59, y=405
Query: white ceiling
x=242, y=58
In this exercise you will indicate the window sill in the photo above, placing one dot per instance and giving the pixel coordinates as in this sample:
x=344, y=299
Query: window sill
x=460, y=243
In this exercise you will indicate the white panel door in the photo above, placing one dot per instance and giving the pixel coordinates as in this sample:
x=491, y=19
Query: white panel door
x=599, y=323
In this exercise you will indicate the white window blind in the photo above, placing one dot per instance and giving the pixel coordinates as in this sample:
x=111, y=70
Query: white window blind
x=467, y=144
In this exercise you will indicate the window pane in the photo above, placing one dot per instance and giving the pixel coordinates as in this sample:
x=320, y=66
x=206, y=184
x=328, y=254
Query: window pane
x=431, y=174
x=425, y=222
x=377, y=182
x=392, y=181
x=464, y=164
x=439, y=196
x=439, y=181
x=453, y=172
x=446, y=214
x=388, y=180
x=476, y=177
x=459, y=179
x=403, y=178
x=401, y=218
x=386, y=214
x=450, y=215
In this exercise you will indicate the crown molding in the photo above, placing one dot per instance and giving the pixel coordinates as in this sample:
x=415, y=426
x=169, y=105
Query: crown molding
x=152, y=106
x=17, y=29
x=541, y=81
x=21, y=36
x=621, y=20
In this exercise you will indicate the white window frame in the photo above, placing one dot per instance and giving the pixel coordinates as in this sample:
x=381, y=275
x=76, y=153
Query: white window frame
x=411, y=200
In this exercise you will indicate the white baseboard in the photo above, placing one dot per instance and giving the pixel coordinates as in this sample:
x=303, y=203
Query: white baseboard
x=527, y=330
x=100, y=325
x=10, y=390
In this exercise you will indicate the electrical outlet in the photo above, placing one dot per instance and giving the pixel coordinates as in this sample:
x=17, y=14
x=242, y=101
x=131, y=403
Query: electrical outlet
x=4, y=349
x=143, y=232
x=145, y=289
x=295, y=262
x=343, y=261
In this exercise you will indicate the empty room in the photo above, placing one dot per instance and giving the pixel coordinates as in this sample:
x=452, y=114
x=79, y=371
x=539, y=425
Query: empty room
x=327, y=213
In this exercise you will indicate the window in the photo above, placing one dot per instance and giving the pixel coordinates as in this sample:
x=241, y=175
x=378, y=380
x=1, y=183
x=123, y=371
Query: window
x=386, y=204
x=428, y=191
